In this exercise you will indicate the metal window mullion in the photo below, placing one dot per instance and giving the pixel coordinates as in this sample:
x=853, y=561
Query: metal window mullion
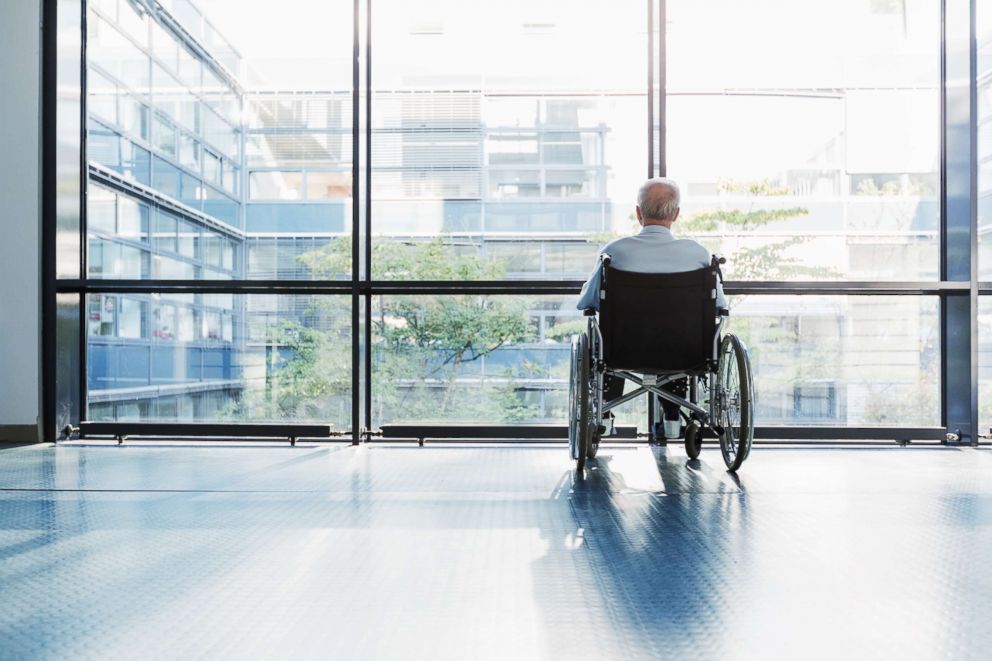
x=355, y=220
x=367, y=363
x=84, y=176
x=650, y=96
x=959, y=235
x=662, y=89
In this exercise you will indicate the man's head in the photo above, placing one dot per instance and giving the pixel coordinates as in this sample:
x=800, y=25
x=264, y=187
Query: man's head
x=658, y=202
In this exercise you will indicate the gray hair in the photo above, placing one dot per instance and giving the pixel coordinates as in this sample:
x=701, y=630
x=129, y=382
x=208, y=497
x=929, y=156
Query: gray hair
x=658, y=209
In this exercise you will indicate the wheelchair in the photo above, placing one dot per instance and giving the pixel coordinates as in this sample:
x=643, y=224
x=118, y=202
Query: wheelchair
x=652, y=330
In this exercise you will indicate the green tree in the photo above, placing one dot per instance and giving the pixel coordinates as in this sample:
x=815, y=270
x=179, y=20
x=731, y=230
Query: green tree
x=426, y=350
x=784, y=350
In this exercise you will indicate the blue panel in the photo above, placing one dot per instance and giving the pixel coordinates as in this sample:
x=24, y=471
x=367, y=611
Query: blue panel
x=165, y=177
x=217, y=363
x=534, y=217
x=132, y=365
x=116, y=366
x=224, y=209
x=103, y=146
x=163, y=364
x=188, y=191
x=297, y=218
x=194, y=367
x=97, y=366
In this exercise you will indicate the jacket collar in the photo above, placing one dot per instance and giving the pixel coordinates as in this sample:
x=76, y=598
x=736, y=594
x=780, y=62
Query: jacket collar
x=655, y=229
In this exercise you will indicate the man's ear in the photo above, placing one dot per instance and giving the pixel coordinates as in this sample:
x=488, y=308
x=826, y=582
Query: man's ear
x=640, y=217
x=676, y=216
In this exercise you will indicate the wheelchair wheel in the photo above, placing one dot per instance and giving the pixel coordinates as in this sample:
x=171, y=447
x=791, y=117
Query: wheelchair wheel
x=735, y=402
x=693, y=439
x=594, y=437
x=579, y=431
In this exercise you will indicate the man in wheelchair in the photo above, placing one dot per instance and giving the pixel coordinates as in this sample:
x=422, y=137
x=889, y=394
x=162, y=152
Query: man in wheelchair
x=655, y=307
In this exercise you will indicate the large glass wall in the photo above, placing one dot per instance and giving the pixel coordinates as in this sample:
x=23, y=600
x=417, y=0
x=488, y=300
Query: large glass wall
x=193, y=178
x=985, y=363
x=818, y=360
x=517, y=148
x=219, y=357
x=507, y=143
x=984, y=165
x=807, y=145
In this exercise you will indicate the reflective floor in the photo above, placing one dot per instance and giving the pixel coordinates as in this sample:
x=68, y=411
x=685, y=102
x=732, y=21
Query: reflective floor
x=465, y=552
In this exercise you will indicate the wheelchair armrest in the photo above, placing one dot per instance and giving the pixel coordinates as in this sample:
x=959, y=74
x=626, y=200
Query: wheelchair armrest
x=589, y=312
x=723, y=312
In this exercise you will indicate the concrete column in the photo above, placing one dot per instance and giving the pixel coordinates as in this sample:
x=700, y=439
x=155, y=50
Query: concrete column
x=20, y=220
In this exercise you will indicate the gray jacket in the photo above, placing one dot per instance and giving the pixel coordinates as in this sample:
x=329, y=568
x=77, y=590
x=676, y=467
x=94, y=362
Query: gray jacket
x=654, y=250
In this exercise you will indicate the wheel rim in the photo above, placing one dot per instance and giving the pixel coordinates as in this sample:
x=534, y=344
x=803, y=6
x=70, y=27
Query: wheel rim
x=573, y=409
x=730, y=402
x=579, y=434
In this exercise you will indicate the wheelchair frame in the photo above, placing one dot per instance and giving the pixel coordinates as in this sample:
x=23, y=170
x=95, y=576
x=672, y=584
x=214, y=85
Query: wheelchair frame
x=651, y=383
x=710, y=416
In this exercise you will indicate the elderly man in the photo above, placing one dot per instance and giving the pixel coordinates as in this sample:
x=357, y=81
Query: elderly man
x=653, y=250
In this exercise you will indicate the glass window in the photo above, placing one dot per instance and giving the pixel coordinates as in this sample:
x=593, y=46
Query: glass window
x=164, y=135
x=821, y=165
x=135, y=162
x=189, y=152
x=512, y=149
x=444, y=161
x=286, y=332
x=132, y=219
x=189, y=238
x=164, y=234
x=276, y=185
x=514, y=183
x=101, y=96
x=133, y=117
x=230, y=176
x=101, y=210
x=132, y=318
x=165, y=47
x=134, y=22
x=571, y=183
x=985, y=363
x=818, y=360
x=103, y=146
x=168, y=268
x=101, y=315
x=166, y=177
x=984, y=137
x=109, y=259
x=211, y=167
x=504, y=362
x=328, y=185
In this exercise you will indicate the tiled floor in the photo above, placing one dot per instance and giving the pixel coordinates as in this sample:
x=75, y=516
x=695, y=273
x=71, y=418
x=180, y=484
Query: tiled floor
x=465, y=552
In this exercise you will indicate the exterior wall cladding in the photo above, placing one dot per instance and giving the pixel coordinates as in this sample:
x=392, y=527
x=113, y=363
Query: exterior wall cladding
x=192, y=177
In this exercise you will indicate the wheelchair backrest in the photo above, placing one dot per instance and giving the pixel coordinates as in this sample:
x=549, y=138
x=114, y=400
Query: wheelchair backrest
x=658, y=322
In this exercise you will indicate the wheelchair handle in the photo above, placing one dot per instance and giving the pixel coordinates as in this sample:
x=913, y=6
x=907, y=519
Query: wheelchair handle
x=715, y=262
x=605, y=259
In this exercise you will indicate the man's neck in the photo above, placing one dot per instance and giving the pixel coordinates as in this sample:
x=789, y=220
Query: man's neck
x=667, y=226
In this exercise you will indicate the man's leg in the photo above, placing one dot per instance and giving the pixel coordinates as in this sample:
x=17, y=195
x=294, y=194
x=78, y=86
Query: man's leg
x=672, y=424
x=612, y=389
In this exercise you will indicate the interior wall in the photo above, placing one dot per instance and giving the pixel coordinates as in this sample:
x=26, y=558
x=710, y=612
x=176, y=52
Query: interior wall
x=20, y=220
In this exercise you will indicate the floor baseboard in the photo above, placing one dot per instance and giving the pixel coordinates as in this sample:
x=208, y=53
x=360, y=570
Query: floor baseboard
x=19, y=434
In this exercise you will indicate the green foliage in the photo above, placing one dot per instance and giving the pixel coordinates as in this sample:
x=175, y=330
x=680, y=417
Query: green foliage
x=426, y=349
x=748, y=257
